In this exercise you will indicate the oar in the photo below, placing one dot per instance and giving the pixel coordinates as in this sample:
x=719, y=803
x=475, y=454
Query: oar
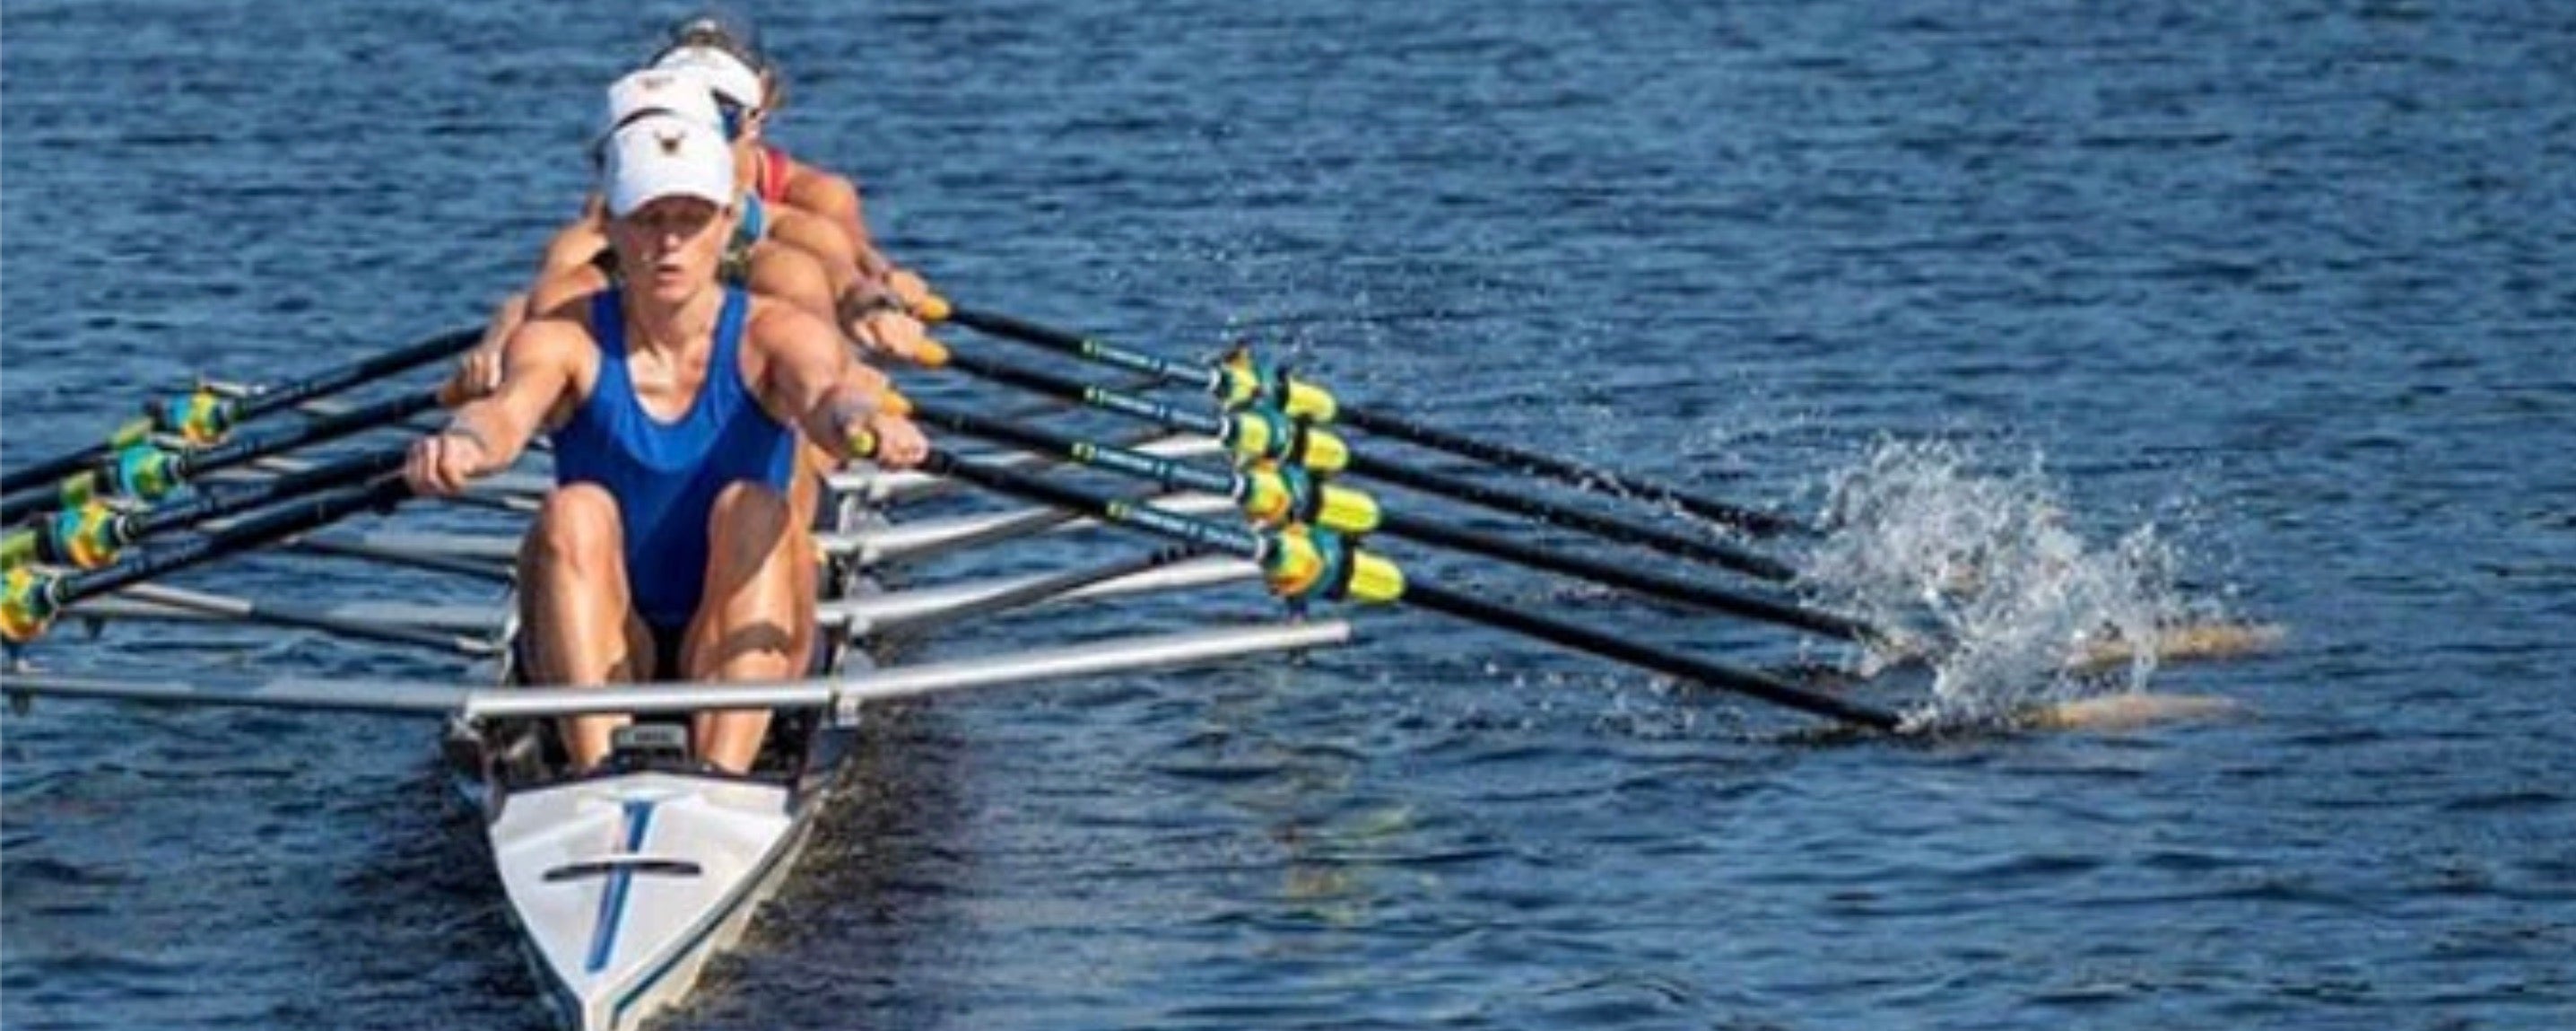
x=1242, y=381
x=359, y=551
x=205, y=415
x=90, y=536
x=1275, y=497
x=147, y=473
x=1261, y=432
x=295, y=617
x=1034, y=592
x=1306, y=564
x=29, y=601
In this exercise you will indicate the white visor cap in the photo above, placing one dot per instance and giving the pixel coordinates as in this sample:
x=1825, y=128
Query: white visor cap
x=659, y=156
x=678, y=92
x=734, y=80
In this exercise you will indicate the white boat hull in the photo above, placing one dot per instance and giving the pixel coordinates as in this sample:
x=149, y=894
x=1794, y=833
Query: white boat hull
x=625, y=885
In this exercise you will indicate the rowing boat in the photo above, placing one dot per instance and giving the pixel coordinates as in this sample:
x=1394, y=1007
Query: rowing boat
x=624, y=881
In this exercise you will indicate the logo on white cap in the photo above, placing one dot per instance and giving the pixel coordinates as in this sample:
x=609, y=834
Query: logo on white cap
x=660, y=155
x=679, y=92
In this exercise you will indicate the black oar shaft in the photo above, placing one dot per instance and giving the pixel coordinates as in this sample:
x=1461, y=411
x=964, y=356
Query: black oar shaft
x=294, y=484
x=184, y=465
x=1205, y=422
x=444, y=345
x=48, y=541
x=1183, y=475
x=281, y=396
x=1123, y=461
x=1620, y=530
x=284, y=521
x=1245, y=544
x=1581, y=638
x=1216, y=537
x=1207, y=377
x=59, y=466
x=1199, y=420
x=1750, y=520
x=1640, y=581
x=356, y=420
x=1004, y=326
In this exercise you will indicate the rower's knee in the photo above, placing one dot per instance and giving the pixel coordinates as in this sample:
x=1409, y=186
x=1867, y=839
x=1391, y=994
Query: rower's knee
x=577, y=526
x=747, y=524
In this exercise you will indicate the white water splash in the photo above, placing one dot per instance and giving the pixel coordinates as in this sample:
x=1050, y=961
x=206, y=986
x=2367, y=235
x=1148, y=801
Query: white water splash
x=1984, y=565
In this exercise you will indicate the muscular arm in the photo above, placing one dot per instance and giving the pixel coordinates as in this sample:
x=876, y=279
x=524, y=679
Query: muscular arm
x=835, y=200
x=540, y=372
x=573, y=246
x=803, y=377
x=542, y=361
x=807, y=379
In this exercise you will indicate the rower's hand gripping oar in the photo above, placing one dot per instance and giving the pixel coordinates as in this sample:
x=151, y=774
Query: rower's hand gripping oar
x=1241, y=379
x=205, y=416
x=29, y=600
x=1301, y=564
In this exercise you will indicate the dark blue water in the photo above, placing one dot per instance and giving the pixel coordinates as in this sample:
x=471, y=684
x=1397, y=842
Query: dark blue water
x=2254, y=309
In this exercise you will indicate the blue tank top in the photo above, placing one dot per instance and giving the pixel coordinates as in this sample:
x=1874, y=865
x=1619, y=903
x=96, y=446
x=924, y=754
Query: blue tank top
x=665, y=476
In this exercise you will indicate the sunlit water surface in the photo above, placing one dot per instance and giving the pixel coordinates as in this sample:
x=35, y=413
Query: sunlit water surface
x=2066, y=319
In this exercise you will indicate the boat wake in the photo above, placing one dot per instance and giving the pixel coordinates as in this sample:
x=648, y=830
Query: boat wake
x=2017, y=611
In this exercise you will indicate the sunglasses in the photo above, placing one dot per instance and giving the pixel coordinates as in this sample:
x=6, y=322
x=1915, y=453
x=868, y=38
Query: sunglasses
x=736, y=117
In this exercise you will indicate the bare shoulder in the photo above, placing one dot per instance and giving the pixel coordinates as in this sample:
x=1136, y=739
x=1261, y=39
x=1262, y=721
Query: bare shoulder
x=566, y=292
x=809, y=231
x=557, y=331
x=774, y=325
x=821, y=190
x=573, y=246
x=786, y=348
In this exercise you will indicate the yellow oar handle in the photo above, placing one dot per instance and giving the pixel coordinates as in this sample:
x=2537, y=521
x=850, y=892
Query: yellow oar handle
x=25, y=607
x=200, y=418
x=83, y=534
x=1247, y=381
x=1279, y=495
x=1304, y=564
x=1265, y=434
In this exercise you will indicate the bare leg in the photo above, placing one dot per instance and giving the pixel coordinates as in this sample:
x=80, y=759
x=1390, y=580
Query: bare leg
x=759, y=604
x=577, y=619
x=804, y=492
